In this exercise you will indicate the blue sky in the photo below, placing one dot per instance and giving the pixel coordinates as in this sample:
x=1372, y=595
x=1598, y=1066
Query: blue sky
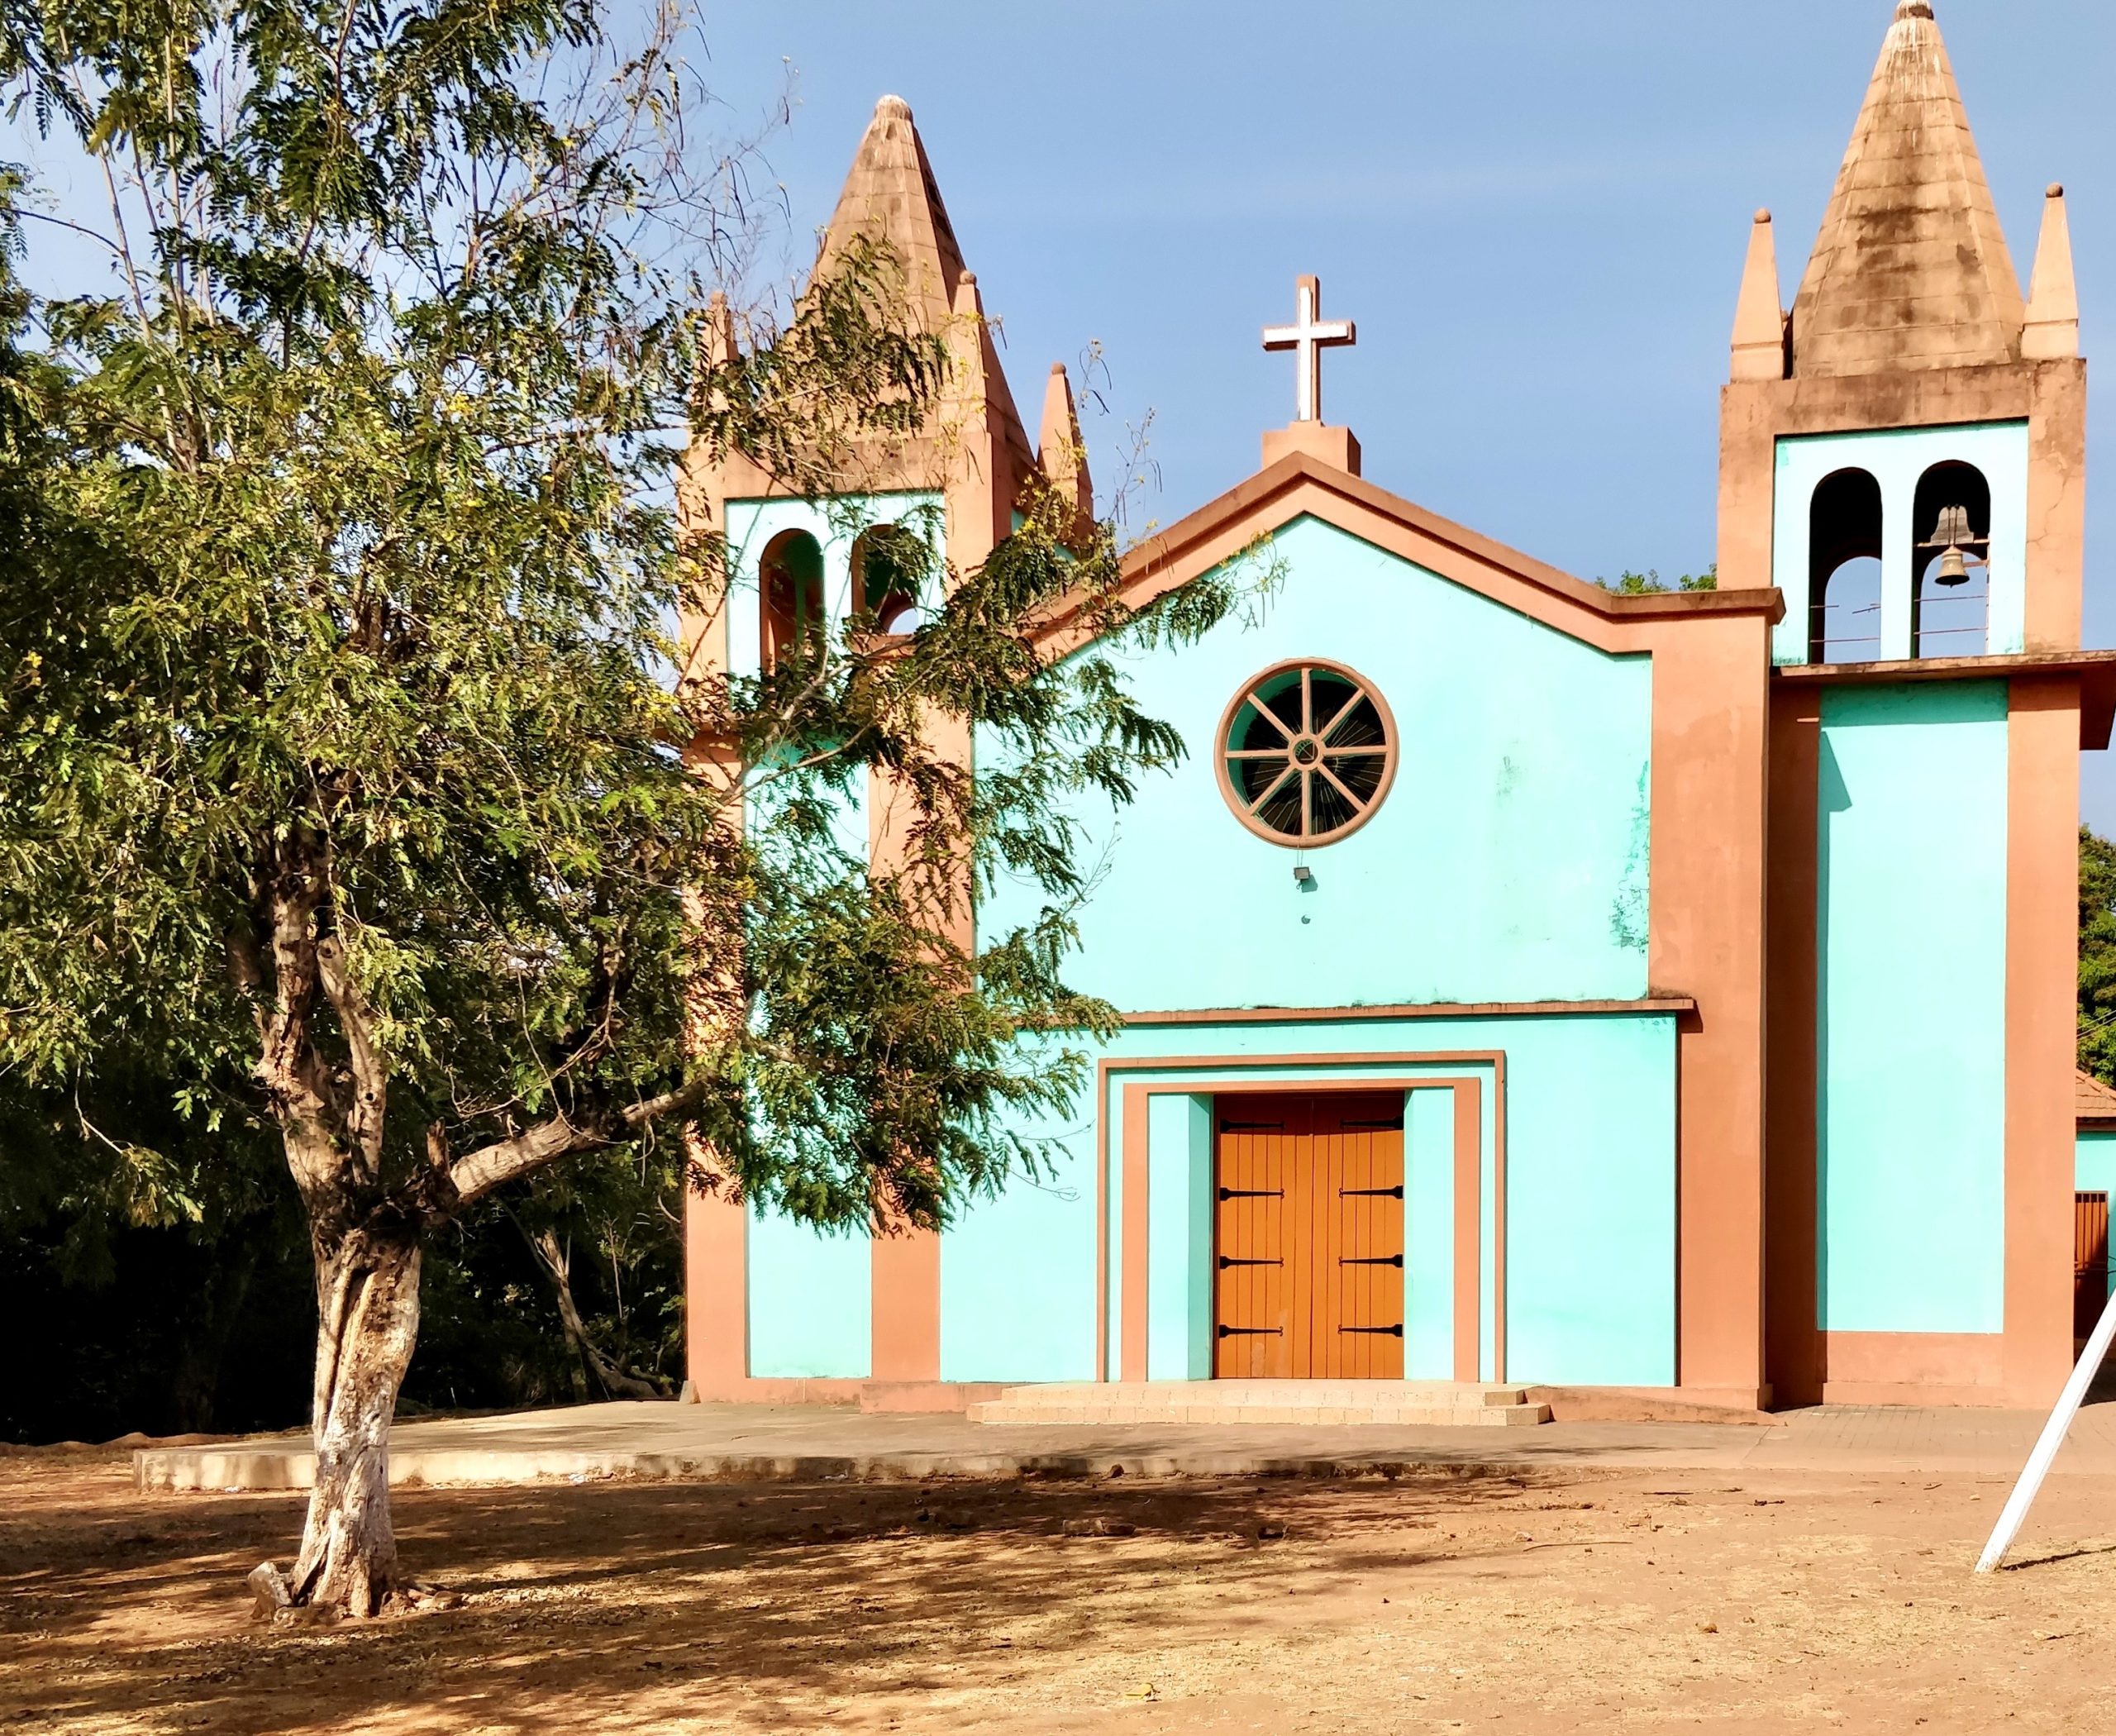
x=1536, y=211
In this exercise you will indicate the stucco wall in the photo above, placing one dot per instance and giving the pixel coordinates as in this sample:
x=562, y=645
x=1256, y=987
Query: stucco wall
x=1589, y=1105
x=1509, y=862
x=1912, y=956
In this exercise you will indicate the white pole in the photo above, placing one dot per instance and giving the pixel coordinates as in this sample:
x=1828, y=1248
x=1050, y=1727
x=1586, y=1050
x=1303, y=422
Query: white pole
x=2046, y=1448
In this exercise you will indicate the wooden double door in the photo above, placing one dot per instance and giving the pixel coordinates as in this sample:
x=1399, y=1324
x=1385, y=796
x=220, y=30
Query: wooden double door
x=1308, y=1236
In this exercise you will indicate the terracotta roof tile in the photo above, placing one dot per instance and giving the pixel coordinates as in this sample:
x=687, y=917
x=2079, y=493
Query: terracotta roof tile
x=2093, y=1100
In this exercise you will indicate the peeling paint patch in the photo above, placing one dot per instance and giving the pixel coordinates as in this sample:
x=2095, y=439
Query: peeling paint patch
x=1631, y=911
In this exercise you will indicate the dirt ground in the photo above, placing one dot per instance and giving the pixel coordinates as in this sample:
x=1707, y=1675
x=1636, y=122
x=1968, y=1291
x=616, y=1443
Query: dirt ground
x=1552, y=1602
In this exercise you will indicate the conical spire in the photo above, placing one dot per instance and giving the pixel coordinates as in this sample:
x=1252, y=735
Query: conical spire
x=1759, y=317
x=1059, y=453
x=2053, y=300
x=890, y=196
x=1911, y=268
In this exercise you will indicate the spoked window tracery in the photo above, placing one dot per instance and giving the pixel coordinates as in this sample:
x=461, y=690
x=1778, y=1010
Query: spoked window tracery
x=1307, y=751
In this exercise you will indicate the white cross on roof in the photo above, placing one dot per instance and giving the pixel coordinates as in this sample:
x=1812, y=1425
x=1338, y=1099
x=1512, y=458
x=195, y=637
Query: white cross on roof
x=1310, y=335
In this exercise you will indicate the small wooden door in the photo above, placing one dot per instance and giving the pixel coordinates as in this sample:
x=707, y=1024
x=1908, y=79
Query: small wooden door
x=2090, y=1261
x=1309, y=1249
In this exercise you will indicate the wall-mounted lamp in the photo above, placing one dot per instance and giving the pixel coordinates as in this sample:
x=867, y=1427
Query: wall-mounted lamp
x=1303, y=875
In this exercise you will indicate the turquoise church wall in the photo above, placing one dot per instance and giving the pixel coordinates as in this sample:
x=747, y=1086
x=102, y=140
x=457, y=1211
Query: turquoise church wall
x=1017, y=1272
x=1179, y=1230
x=811, y=1301
x=1509, y=862
x=1590, y=1110
x=1429, y=1236
x=810, y=1295
x=1912, y=952
x=1897, y=459
x=2096, y=1155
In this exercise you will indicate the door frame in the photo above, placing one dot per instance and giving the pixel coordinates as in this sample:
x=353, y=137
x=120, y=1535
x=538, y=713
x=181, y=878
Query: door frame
x=1469, y=1190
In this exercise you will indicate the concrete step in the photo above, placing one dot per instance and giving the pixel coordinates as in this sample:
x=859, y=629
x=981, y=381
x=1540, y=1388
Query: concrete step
x=1403, y=1404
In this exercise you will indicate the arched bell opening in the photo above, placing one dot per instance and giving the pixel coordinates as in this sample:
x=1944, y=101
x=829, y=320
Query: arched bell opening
x=1951, y=563
x=1844, y=569
x=791, y=578
x=888, y=568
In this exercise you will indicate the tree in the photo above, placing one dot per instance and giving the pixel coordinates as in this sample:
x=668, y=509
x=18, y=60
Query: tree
x=1650, y=582
x=2097, y=1040
x=344, y=781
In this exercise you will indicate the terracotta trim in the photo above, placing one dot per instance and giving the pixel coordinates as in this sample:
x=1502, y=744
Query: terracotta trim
x=1708, y=804
x=716, y=1290
x=1135, y=1140
x=1469, y=1192
x=1298, y=486
x=1499, y=1187
x=2041, y=1003
x=1910, y=1359
x=1136, y=1247
x=1671, y=1004
x=1245, y=498
x=905, y=1275
x=780, y=1389
x=1102, y=1222
x=2099, y=664
x=1468, y=1230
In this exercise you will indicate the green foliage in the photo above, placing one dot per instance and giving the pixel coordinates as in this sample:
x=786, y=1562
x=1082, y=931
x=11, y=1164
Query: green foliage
x=2097, y=956
x=341, y=787
x=1650, y=584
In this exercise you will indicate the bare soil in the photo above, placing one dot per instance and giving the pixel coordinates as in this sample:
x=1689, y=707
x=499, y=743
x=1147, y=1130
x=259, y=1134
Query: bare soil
x=1552, y=1602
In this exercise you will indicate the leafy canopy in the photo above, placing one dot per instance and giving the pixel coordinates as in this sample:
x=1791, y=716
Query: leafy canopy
x=345, y=785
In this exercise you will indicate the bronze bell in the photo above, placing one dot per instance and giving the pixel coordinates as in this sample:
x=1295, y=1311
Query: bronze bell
x=1951, y=535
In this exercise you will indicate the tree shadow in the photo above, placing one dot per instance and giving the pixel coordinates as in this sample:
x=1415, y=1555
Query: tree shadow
x=781, y=1601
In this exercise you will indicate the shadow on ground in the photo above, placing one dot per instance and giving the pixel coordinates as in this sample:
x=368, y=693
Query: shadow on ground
x=788, y=1596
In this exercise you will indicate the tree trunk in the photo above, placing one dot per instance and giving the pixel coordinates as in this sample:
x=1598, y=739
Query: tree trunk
x=367, y=1292
x=616, y=1382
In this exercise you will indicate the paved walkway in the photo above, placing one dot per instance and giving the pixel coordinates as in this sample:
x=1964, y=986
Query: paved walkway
x=753, y=1443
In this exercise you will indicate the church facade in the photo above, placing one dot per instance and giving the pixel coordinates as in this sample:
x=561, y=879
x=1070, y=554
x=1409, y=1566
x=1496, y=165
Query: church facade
x=1670, y=994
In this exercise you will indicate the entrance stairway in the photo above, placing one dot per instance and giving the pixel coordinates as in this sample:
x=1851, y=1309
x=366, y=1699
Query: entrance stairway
x=1403, y=1403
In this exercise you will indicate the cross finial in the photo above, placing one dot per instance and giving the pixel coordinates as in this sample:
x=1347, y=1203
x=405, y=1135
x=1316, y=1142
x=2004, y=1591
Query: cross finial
x=1310, y=335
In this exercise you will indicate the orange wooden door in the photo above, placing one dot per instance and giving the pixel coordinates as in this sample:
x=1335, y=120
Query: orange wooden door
x=1358, y=1334
x=1257, y=1203
x=2090, y=1261
x=1308, y=1255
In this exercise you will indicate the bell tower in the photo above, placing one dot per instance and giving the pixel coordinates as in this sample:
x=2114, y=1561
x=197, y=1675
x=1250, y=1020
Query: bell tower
x=899, y=513
x=1902, y=456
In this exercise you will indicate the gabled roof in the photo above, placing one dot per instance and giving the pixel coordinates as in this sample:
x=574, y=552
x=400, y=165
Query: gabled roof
x=1911, y=268
x=1298, y=486
x=890, y=196
x=2093, y=1101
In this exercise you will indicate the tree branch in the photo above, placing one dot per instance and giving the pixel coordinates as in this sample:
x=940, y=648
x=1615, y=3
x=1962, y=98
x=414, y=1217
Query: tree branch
x=476, y=1174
